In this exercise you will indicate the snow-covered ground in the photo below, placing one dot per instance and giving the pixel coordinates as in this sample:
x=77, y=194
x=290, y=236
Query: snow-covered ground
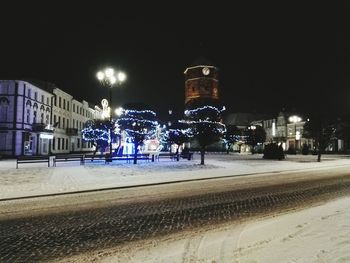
x=37, y=179
x=318, y=234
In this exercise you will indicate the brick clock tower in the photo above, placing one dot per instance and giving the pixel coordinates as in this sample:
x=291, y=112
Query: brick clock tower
x=201, y=82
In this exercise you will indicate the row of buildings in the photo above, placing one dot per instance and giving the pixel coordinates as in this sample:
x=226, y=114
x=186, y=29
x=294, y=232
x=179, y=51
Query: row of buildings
x=286, y=129
x=38, y=118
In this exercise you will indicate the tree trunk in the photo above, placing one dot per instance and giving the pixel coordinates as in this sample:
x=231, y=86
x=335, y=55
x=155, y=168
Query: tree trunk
x=96, y=148
x=228, y=148
x=320, y=146
x=119, y=144
x=202, y=155
x=136, y=145
x=319, y=156
x=177, y=152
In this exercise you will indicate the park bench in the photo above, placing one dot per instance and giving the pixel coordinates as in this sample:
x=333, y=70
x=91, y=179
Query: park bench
x=188, y=155
x=32, y=159
x=166, y=155
x=69, y=158
x=124, y=157
x=95, y=158
x=173, y=156
x=130, y=157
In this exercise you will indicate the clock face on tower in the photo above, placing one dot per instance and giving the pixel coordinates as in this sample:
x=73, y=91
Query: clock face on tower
x=206, y=71
x=201, y=83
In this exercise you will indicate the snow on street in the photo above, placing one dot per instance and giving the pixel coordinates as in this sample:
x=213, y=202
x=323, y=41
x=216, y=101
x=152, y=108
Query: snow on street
x=318, y=234
x=36, y=179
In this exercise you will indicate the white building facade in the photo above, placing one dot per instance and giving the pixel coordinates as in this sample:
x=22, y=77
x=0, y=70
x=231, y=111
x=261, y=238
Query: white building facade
x=41, y=119
x=25, y=118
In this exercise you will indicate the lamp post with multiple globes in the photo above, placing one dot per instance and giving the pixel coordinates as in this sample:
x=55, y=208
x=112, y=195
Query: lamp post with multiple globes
x=110, y=78
x=294, y=119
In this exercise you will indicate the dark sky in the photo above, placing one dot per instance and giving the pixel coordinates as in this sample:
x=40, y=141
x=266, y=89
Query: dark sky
x=291, y=54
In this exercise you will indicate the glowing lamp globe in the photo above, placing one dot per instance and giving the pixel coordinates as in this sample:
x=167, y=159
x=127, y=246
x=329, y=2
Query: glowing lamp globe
x=112, y=80
x=121, y=76
x=100, y=75
x=109, y=72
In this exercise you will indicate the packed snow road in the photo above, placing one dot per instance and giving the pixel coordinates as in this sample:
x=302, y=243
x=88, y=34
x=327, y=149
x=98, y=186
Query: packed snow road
x=54, y=228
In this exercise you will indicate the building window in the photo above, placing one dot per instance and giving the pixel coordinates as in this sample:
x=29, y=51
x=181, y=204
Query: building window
x=54, y=120
x=42, y=98
x=67, y=123
x=55, y=100
x=68, y=105
x=53, y=143
x=42, y=118
x=47, y=119
x=64, y=104
x=36, y=95
x=62, y=144
x=29, y=93
x=73, y=123
x=59, y=144
x=78, y=143
x=59, y=121
x=4, y=103
x=73, y=107
x=34, y=117
x=47, y=101
x=63, y=122
x=66, y=144
x=28, y=116
x=59, y=102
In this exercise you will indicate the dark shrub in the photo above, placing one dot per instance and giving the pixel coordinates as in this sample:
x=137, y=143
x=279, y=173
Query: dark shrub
x=291, y=150
x=273, y=151
x=305, y=150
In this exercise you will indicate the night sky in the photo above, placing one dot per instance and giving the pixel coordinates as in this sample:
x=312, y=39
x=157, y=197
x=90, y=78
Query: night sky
x=271, y=56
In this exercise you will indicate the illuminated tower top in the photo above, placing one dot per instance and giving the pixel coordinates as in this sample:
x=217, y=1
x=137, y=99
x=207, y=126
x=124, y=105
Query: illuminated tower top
x=201, y=81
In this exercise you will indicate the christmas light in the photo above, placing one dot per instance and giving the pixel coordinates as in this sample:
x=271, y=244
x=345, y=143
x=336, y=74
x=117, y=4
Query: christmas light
x=195, y=111
x=139, y=112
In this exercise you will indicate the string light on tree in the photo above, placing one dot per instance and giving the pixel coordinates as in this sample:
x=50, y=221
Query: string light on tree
x=206, y=126
x=139, y=125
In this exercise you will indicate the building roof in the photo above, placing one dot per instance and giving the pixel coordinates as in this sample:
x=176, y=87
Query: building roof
x=243, y=118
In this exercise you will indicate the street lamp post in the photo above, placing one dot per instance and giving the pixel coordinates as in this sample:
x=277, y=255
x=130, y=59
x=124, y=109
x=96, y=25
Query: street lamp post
x=294, y=119
x=110, y=78
x=253, y=128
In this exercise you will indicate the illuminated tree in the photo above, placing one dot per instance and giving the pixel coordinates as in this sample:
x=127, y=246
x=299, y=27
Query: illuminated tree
x=178, y=133
x=139, y=124
x=206, y=126
x=97, y=131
